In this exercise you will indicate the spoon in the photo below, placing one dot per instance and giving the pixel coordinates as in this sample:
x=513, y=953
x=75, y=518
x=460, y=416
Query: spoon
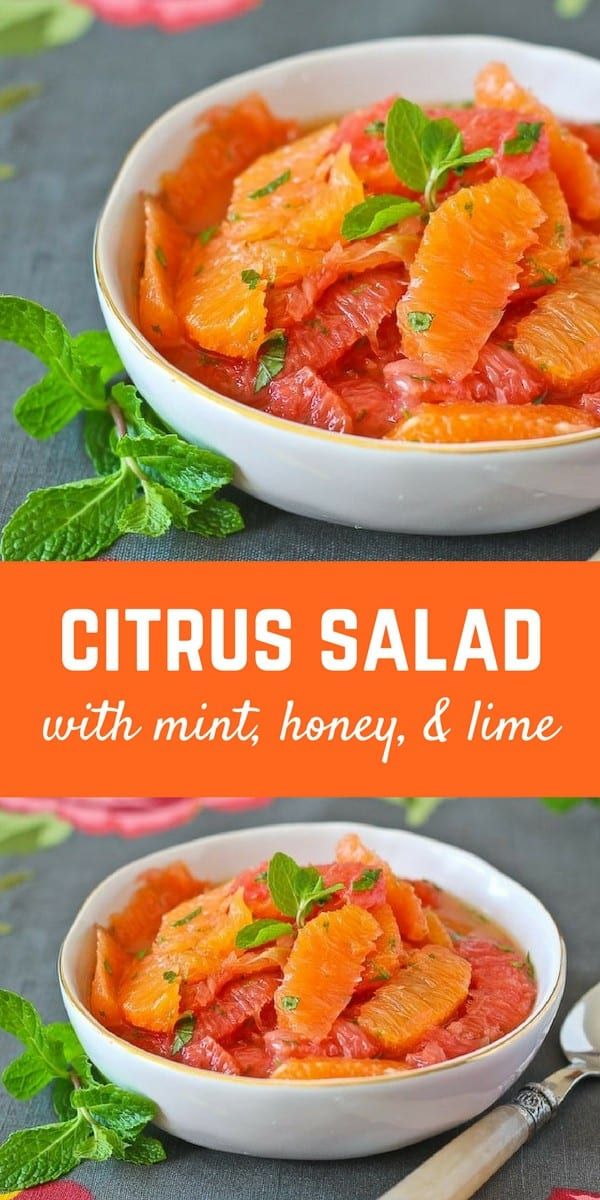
x=463, y=1166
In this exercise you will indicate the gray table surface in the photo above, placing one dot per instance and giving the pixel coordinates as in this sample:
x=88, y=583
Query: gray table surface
x=99, y=94
x=557, y=857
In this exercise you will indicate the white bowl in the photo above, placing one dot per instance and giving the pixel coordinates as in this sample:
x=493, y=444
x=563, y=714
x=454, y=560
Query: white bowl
x=329, y=1118
x=482, y=488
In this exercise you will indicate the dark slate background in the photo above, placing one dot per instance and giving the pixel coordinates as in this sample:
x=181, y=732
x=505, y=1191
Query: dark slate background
x=99, y=94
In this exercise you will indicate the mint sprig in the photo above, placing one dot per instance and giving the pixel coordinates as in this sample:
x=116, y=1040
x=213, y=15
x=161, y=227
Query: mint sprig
x=423, y=151
x=96, y=1119
x=260, y=932
x=149, y=479
x=294, y=889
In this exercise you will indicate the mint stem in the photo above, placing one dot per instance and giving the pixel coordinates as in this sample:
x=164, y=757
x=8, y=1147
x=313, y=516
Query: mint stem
x=121, y=428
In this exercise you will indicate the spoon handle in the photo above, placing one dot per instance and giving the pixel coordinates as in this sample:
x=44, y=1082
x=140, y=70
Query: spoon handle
x=463, y=1166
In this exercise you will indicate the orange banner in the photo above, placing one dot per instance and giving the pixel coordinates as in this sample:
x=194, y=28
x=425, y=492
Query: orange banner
x=300, y=679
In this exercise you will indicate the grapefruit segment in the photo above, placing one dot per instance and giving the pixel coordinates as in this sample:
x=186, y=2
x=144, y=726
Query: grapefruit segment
x=206, y=1054
x=463, y=423
x=561, y=336
x=345, y=1040
x=570, y=158
x=111, y=962
x=422, y=995
x=165, y=246
x=437, y=934
x=501, y=995
x=306, y=398
x=350, y=310
x=494, y=127
x=465, y=271
x=323, y=969
x=239, y=1002
x=499, y=377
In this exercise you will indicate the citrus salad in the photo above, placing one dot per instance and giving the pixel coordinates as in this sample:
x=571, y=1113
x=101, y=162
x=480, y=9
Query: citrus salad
x=307, y=972
x=425, y=275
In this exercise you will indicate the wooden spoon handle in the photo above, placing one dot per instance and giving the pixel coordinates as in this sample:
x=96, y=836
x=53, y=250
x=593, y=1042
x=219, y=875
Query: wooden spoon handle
x=458, y=1170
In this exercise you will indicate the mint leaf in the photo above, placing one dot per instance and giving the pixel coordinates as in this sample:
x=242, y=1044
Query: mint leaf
x=271, y=187
x=14, y=879
x=137, y=412
x=27, y=1076
x=19, y=1018
x=148, y=514
x=97, y=349
x=61, y=1033
x=144, y=1151
x=70, y=385
x=215, y=518
x=367, y=880
x=184, y=1032
x=271, y=358
x=98, y=428
x=28, y=26
x=418, y=808
x=37, y=1156
x=251, y=278
x=261, y=932
x=442, y=142
x=282, y=882
x=62, y=1090
x=13, y=97
x=404, y=129
x=526, y=138
x=68, y=523
x=124, y=1112
x=294, y=889
x=26, y=833
x=420, y=322
x=375, y=128
x=376, y=214
x=194, y=473
x=7, y=171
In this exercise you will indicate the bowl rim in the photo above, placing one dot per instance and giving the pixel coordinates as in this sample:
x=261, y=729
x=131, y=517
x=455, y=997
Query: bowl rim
x=534, y=1017
x=378, y=445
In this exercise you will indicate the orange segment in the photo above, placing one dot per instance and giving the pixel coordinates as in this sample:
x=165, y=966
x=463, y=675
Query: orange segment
x=136, y=925
x=221, y=296
x=577, y=171
x=561, y=337
x=465, y=271
x=585, y=248
x=165, y=245
x=550, y=257
x=437, y=934
x=149, y=995
x=461, y=423
x=310, y=193
x=323, y=970
x=195, y=940
x=318, y=222
x=198, y=191
x=424, y=994
x=384, y=959
x=336, y=1068
x=111, y=961
x=407, y=909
